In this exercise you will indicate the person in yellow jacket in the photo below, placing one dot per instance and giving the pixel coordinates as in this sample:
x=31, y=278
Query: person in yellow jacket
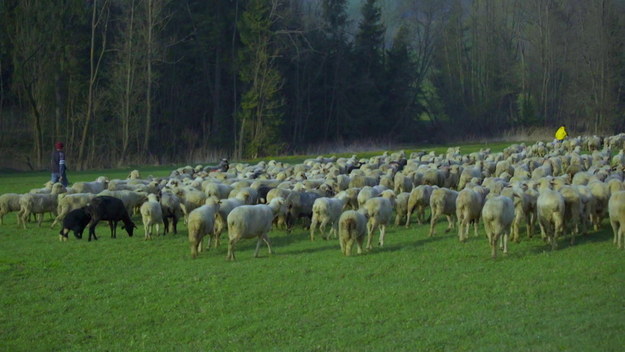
x=561, y=133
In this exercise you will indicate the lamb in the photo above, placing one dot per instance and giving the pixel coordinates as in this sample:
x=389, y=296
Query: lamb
x=616, y=209
x=326, y=211
x=379, y=213
x=9, y=202
x=111, y=209
x=76, y=220
x=524, y=208
x=550, y=207
x=352, y=227
x=419, y=200
x=201, y=223
x=69, y=202
x=468, y=210
x=497, y=215
x=151, y=215
x=249, y=221
x=442, y=202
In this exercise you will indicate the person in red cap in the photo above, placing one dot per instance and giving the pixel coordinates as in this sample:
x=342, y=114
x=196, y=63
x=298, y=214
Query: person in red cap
x=57, y=165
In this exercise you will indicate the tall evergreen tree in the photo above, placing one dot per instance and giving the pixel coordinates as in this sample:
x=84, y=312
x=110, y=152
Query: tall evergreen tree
x=366, y=98
x=262, y=100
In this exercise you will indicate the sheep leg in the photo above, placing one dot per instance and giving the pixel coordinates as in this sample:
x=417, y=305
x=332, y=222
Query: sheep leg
x=621, y=238
x=343, y=243
x=322, y=228
x=348, y=247
x=266, y=240
x=382, y=233
x=231, y=244
x=432, y=224
x=615, y=230
x=359, y=244
x=408, y=215
x=450, y=223
x=476, y=225
x=369, y=234
x=313, y=226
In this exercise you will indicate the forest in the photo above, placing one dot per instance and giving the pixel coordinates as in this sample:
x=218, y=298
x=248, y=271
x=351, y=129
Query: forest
x=157, y=81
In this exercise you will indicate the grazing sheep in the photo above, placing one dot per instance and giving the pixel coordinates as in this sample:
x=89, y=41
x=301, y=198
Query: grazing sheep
x=442, y=202
x=112, y=210
x=550, y=208
x=379, y=213
x=524, y=208
x=151, y=215
x=497, y=215
x=132, y=200
x=468, y=210
x=76, y=220
x=419, y=200
x=616, y=209
x=9, y=202
x=69, y=202
x=352, y=227
x=326, y=211
x=201, y=222
x=249, y=221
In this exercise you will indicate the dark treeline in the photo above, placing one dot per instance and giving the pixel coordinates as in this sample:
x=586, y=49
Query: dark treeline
x=123, y=81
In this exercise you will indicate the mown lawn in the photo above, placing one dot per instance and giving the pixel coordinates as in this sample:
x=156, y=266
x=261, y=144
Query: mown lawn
x=416, y=293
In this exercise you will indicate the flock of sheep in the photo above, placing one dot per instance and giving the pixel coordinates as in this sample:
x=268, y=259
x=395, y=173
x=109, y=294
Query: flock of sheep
x=565, y=188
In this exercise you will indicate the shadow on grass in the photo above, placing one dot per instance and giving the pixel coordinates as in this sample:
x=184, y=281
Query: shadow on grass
x=540, y=246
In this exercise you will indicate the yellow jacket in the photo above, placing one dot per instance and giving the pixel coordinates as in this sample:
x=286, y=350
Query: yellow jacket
x=561, y=133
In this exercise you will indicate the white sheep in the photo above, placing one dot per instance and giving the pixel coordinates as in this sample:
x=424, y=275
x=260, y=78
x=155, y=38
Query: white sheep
x=352, y=228
x=616, y=209
x=152, y=216
x=69, y=202
x=94, y=187
x=379, y=213
x=468, y=210
x=249, y=221
x=326, y=211
x=497, y=215
x=419, y=200
x=401, y=207
x=442, y=202
x=601, y=193
x=201, y=222
x=550, y=208
x=38, y=204
x=572, y=210
x=9, y=202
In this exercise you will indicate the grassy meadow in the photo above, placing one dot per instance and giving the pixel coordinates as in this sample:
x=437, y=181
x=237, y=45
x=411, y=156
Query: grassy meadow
x=415, y=294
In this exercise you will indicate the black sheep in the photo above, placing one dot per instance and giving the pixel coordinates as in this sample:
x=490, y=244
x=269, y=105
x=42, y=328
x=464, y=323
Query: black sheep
x=111, y=209
x=76, y=220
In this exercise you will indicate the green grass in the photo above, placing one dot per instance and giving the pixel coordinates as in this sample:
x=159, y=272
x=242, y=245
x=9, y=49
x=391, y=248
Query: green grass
x=416, y=293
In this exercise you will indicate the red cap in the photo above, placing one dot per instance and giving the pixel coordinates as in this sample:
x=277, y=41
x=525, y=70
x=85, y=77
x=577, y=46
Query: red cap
x=58, y=145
